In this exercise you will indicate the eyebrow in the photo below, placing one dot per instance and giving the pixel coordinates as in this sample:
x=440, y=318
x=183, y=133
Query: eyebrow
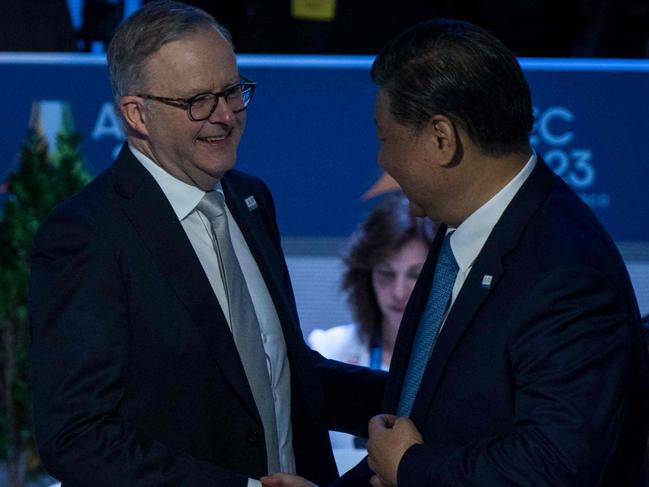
x=229, y=84
x=197, y=91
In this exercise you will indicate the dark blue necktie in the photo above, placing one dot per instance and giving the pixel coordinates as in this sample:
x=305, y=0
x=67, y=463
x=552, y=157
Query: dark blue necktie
x=431, y=321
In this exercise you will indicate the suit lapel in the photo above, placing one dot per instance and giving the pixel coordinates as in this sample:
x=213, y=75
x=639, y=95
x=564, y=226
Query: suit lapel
x=263, y=251
x=465, y=307
x=158, y=227
x=503, y=238
x=254, y=225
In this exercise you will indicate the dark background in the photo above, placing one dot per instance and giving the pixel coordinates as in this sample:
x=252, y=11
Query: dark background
x=541, y=28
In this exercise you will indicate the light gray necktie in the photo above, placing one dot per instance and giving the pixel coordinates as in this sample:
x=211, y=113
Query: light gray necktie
x=243, y=321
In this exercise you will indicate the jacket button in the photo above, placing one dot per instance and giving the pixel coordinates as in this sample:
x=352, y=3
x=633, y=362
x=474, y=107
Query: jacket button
x=253, y=437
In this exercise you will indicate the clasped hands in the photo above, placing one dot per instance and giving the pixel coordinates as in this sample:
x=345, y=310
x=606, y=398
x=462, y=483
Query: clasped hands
x=389, y=438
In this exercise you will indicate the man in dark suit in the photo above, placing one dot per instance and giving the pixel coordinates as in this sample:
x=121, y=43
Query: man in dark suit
x=536, y=374
x=166, y=348
x=520, y=358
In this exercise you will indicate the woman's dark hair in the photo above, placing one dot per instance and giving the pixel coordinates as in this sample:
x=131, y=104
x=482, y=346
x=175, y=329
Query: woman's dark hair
x=456, y=69
x=388, y=226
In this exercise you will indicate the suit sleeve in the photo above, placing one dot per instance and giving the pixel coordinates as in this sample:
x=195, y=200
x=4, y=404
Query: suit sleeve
x=79, y=357
x=571, y=365
x=352, y=394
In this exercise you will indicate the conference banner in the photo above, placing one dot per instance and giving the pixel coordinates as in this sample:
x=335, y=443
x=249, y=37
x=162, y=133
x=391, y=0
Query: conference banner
x=310, y=130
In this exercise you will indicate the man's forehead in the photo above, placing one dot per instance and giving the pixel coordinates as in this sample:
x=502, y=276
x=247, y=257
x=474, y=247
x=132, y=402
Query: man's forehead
x=196, y=30
x=202, y=50
x=200, y=39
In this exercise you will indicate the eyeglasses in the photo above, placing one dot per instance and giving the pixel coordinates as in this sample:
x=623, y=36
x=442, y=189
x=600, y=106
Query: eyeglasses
x=200, y=107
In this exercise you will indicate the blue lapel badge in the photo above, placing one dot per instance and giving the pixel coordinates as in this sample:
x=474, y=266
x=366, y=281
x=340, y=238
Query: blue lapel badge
x=251, y=203
x=486, y=281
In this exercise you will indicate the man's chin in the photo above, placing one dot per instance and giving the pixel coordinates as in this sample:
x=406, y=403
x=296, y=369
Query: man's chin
x=218, y=168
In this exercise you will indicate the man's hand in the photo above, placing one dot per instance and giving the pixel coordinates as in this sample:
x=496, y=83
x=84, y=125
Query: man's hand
x=285, y=480
x=376, y=481
x=390, y=437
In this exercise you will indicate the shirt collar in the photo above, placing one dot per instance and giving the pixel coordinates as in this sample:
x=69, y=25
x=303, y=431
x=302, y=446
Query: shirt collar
x=469, y=238
x=183, y=197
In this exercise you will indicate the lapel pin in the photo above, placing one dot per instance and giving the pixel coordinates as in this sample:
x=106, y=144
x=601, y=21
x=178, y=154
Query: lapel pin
x=251, y=203
x=486, y=281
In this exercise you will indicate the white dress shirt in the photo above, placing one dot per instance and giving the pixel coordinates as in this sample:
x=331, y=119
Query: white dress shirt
x=183, y=198
x=469, y=238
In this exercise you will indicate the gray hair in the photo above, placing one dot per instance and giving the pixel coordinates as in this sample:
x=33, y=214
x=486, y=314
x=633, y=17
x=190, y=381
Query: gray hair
x=144, y=33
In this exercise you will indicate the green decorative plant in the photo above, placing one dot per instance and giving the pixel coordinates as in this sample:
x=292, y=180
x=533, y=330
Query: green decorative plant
x=39, y=183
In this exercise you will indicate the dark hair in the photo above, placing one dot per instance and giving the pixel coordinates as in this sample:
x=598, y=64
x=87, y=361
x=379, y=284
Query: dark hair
x=459, y=70
x=144, y=33
x=388, y=226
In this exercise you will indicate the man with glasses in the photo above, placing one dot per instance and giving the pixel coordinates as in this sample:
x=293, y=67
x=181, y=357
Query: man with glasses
x=166, y=346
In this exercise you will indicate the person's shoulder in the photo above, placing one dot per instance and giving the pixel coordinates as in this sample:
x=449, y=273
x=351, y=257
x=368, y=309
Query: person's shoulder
x=568, y=218
x=86, y=211
x=559, y=229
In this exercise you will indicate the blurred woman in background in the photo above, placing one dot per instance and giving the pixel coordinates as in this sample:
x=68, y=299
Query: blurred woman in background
x=385, y=257
x=384, y=260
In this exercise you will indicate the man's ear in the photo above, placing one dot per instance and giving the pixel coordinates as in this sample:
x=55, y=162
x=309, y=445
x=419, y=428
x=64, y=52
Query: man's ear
x=445, y=139
x=134, y=114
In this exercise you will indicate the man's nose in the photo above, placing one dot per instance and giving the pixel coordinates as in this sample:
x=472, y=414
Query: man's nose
x=222, y=113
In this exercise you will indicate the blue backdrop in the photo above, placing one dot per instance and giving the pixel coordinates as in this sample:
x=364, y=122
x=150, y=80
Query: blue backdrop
x=311, y=136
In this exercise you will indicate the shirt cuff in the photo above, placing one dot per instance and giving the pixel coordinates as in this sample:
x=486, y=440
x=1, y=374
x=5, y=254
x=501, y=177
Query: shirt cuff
x=254, y=483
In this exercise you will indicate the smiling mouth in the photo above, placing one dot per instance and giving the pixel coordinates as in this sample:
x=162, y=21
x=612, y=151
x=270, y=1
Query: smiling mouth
x=212, y=139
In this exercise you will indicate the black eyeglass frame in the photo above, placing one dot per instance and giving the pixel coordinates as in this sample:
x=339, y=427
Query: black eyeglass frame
x=186, y=103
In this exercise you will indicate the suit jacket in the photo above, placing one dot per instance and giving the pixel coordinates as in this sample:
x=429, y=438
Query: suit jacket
x=136, y=377
x=539, y=378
